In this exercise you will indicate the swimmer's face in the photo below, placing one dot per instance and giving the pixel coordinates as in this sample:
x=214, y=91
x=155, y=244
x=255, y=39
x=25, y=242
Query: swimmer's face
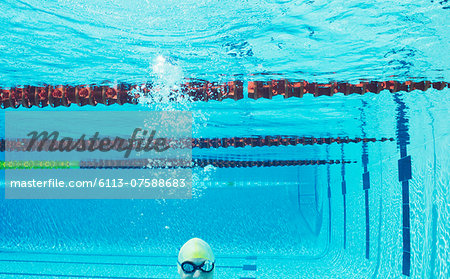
x=198, y=274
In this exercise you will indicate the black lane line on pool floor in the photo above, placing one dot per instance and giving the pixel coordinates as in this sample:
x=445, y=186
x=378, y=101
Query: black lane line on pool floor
x=365, y=179
x=344, y=191
x=329, y=196
x=404, y=174
x=249, y=268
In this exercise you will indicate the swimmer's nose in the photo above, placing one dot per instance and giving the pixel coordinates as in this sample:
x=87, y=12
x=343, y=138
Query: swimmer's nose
x=197, y=274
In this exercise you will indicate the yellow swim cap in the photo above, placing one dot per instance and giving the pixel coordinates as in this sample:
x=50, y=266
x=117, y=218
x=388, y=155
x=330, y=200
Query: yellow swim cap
x=195, y=248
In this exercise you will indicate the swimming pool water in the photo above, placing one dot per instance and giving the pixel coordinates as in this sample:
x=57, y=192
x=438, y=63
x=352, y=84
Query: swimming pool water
x=304, y=221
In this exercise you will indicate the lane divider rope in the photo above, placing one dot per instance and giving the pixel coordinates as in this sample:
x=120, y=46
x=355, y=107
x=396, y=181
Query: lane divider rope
x=64, y=95
x=257, y=141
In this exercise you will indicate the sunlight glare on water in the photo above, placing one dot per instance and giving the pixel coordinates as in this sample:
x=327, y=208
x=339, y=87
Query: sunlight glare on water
x=71, y=41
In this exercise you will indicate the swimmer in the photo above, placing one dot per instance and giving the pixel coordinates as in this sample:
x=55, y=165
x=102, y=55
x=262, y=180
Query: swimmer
x=196, y=260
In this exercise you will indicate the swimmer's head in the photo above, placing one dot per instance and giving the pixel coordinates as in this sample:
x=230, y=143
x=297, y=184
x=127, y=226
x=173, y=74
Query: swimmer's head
x=196, y=255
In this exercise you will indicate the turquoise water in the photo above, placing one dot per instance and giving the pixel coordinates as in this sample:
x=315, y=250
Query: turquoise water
x=262, y=222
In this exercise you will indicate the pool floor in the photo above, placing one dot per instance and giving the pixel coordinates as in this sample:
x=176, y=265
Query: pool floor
x=77, y=265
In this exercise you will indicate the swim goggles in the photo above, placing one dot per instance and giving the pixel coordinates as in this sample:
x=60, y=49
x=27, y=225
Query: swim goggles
x=190, y=267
